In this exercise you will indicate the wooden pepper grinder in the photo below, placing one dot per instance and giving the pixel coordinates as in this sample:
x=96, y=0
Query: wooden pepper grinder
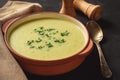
x=93, y=12
x=68, y=8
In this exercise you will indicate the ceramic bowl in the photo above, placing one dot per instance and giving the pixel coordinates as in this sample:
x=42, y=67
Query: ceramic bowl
x=49, y=67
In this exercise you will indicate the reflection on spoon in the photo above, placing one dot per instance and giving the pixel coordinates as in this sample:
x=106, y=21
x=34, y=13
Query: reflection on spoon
x=97, y=35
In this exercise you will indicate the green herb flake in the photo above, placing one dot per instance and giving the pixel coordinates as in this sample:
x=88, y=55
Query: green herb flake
x=41, y=32
x=66, y=33
x=40, y=47
x=47, y=35
x=41, y=27
x=38, y=40
x=62, y=40
x=59, y=41
x=55, y=32
x=32, y=46
x=35, y=30
x=49, y=45
x=30, y=42
x=51, y=29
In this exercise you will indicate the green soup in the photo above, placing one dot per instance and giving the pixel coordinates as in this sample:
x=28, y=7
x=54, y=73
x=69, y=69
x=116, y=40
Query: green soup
x=47, y=39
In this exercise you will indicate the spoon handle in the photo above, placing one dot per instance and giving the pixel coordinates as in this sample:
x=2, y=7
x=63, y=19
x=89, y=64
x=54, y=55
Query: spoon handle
x=105, y=70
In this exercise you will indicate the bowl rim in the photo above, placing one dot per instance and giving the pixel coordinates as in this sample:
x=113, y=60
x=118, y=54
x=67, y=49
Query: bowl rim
x=23, y=58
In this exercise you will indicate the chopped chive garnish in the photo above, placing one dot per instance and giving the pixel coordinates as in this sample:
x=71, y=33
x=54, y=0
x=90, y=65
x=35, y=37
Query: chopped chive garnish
x=40, y=47
x=32, y=46
x=38, y=40
x=54, y=37
x=51, y=29
x=49, y=45
x=30, y=42
x=41, y=27
x=66, y=33
x=47, y=35
x=59, y=40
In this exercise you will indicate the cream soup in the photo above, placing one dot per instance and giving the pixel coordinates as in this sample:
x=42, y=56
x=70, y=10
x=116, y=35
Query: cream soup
x=47, y=39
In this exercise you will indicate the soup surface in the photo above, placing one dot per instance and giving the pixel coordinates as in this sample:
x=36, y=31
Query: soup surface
x=47, y=39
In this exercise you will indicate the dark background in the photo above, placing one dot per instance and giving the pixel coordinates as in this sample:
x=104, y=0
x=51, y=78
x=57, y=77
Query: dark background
x=110, y=23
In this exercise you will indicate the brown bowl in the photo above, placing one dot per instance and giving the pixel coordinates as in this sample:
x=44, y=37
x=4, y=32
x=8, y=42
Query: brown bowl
x=48, y=67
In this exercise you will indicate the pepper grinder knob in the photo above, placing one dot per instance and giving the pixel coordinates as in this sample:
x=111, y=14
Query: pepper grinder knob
x=93, y=12
x=68, y=8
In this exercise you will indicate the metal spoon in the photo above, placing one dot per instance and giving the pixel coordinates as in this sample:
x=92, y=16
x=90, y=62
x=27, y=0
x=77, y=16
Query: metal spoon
x=96, y=35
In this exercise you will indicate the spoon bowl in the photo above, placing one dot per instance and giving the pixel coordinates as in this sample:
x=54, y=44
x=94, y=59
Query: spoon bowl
x=97, y=35
x=95, y=31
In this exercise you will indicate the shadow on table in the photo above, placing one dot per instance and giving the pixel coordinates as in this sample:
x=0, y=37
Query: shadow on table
x=88, y=70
